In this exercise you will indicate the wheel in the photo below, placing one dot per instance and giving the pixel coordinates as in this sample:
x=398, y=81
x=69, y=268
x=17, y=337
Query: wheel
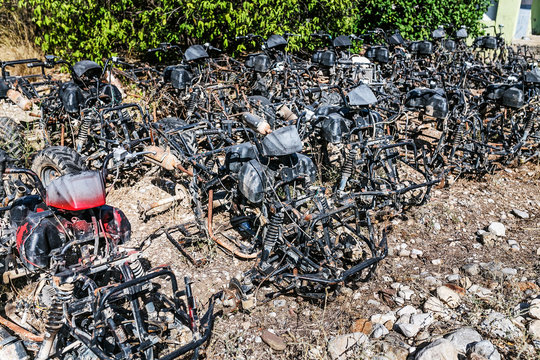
x=56, y=161
x=10, y=138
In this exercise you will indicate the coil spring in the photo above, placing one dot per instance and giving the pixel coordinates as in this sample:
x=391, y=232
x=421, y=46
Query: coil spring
x=211, y=131
x=272, y=234
x=82, y=136
x=348, y=166
x=192, y=102
x=136, y=269
x=55, y=314
x=458, y=138
x=528, y=128
x=53, y=321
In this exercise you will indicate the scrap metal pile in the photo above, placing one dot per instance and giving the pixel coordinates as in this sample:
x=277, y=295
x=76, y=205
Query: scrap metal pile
x=307, y=159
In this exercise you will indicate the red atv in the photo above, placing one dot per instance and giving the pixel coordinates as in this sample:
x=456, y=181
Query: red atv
x=77, y=291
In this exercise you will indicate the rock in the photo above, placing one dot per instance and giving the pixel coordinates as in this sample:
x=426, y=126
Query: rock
x=528, y=285
x=497, y=325
x=448, y=296
x=363, y=326
x=534, y=329
x=497, y=229
x=416, y=253
x=440, y=349
x=379, y=331
x=488, y=239
x=436, y=227
x=249, y=303
x=534, y=309
x=432, y=281
x=476, y=357
x=394, y=350
x=463, y=337
x=513, y=245
x=454, y=278
x=520, y=214
x=415, y=323
x=406, y=310
x=486, y=349
x=471, y=269
x=422, y=319
x=404, y=253
x=509, y=272
x=435, y=306
x=407, y=329
x=436, y=261
x=280, y=303
x=340, y=346
x=383, y=318
x=406, y=294
x=273, y=340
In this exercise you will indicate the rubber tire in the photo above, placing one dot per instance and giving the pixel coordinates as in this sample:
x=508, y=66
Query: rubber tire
x=55, y=161
x=169, y=124
x=11, y=140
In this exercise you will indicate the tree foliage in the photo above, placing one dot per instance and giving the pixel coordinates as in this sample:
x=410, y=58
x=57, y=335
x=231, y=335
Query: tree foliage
x=415, y=19
x=95, y=29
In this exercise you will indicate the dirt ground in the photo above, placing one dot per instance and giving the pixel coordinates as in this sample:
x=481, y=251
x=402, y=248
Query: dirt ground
x=459, y=210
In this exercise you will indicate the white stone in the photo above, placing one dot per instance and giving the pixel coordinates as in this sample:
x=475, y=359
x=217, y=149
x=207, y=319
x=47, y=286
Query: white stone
x=341, y=347
x=435, y=306
x=436, y=261
x=448, y=296
x=534, y=329
x=407, y=294
x=378, y=331
x=409, y=330
x=440, y=349
x=383, y=318
x=417, y=252
x=497, y=325
x=406, y=310
x=534, y=309
x=497, y=229
x=461, y=338
x=520, y=214
x=486, y=349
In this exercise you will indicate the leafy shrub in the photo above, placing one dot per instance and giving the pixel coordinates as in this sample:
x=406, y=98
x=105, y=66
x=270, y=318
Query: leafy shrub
x=75, y=29
x=415, y=19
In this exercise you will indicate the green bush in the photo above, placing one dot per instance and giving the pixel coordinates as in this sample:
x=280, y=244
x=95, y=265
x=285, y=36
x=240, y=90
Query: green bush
x=415, y=19
x=95, y=29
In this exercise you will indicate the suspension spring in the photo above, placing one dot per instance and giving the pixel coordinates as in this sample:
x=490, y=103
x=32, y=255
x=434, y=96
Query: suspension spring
x=348, y=168
x=272, y=234
x=192, y=102
x=136, y=268
x=458, y=138
x=82, y=136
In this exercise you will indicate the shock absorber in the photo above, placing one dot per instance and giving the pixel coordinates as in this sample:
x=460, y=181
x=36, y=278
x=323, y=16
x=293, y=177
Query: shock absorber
x=136, y=268
x=82, y=136
x=192, y=102
x=347, y=169
x=54, y=317
x=528, y=127
x=272, y=235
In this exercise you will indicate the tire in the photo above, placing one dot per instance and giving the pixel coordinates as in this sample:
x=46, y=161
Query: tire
x=56, y=161
x=11, y=140
x=186, y=140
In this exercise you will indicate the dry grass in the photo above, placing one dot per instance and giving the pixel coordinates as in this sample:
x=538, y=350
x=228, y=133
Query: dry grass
x=17, y=38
